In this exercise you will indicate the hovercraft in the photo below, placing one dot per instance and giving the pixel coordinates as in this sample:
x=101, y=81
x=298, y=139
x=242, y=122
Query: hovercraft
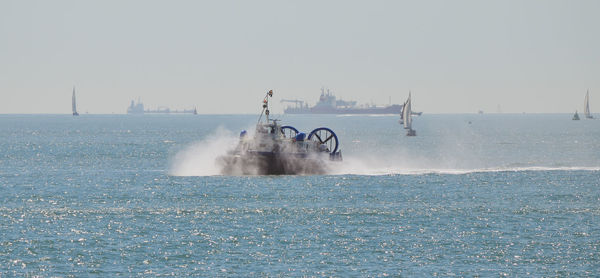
x=274, y=149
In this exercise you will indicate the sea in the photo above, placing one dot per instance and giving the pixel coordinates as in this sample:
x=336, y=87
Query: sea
x=140, y=195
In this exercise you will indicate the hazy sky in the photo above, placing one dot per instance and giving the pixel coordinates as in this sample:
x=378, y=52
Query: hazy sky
x=222, y=56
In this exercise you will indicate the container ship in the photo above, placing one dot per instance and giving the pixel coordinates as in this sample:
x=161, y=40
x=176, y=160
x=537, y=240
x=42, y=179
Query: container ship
x=329, y=104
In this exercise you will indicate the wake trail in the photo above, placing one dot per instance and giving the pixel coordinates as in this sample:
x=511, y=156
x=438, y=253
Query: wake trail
x=462, y=171
x=199, y=159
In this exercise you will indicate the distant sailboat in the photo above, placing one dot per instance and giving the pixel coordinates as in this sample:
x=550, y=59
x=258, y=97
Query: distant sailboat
x=576, y=116
x=406, y=117
x=74, y=103
x=586, y=106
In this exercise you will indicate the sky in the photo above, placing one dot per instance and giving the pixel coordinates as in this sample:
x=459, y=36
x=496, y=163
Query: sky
x=513, y=56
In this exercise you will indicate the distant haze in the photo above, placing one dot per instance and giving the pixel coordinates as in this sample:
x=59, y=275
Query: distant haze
x=222, y=56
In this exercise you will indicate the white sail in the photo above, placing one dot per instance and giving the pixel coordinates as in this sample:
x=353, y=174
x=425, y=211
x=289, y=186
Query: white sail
x=586, y=106
x=407, y=113
x=401, y=121
x=74, y=104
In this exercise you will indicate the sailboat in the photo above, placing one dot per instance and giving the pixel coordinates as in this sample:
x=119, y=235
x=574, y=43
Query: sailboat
x=74, y=103
x=586, y=106
x=406, y=117
x=576, y=116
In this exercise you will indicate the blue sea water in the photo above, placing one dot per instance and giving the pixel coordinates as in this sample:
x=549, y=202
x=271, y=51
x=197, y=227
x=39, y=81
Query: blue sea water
x=470, y=195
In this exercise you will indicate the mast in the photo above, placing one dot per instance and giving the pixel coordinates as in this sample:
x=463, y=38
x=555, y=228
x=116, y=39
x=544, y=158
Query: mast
x=74, y=103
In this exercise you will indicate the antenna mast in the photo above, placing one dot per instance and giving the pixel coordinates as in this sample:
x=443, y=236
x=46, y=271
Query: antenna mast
x=266, y=106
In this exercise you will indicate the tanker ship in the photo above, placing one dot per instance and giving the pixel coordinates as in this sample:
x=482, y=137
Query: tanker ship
x=329, y=104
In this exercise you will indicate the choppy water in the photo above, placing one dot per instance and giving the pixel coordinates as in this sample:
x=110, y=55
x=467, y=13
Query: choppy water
x=514, y=195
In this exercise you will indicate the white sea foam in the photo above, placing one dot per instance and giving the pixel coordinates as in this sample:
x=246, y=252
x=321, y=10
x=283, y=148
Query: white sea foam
x=198, y=159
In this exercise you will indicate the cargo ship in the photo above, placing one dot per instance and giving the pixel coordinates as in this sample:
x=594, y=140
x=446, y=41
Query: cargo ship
x=329, y=104
x=138, y=108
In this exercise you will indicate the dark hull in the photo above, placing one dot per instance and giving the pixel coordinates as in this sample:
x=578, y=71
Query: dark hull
x=270, y=163
x=392, y=109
